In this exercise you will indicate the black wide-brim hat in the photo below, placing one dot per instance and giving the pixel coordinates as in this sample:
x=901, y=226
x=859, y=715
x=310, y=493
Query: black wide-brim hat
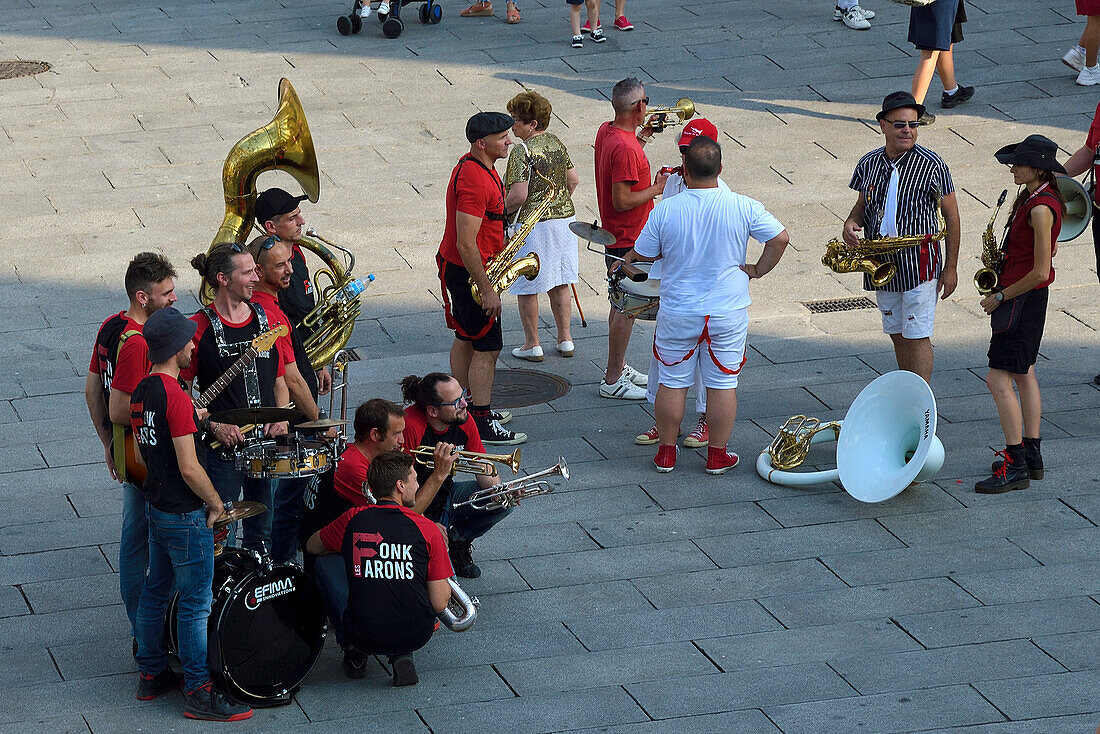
x=1036, y=151
x=897, y=101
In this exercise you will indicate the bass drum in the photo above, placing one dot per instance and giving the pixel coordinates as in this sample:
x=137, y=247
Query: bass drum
x=267, y=627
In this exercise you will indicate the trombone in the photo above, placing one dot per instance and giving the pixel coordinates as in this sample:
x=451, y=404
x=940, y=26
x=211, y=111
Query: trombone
x=469, y=462
x=509, y=494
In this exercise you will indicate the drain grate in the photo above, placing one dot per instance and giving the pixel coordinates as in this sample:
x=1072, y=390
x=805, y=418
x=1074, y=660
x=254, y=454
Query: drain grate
x=839, y=304
x=520, y=388
x=16, y=69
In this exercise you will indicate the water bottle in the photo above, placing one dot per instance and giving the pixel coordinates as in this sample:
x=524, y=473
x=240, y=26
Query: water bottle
x=352, y=289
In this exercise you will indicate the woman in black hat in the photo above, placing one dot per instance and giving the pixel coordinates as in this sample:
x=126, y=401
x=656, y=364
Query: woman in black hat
x=1018, y=309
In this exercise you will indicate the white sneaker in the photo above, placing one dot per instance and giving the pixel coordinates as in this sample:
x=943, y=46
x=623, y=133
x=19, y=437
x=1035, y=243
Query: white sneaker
x=622, y=389
x=838, y=14
x=852, y=18
x=1089, y=76
x=384, y=8
x=1074, y=59
x=638, y=378
x=534, y=354
x=565, y=348
x=364, y=10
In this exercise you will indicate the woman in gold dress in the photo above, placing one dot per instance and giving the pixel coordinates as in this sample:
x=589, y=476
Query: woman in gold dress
x=551, y=238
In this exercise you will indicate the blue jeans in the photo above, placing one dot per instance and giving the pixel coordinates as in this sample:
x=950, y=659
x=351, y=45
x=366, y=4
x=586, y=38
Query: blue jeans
x=133, y=551
x=181, y=555
x=285, y=515
x=229, y=482
x=332, y=578
x=466, y=523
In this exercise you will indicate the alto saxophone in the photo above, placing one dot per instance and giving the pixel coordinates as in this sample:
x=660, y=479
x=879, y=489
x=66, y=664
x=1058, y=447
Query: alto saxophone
x=501, y=270
x=841, y=258
x=993, y=257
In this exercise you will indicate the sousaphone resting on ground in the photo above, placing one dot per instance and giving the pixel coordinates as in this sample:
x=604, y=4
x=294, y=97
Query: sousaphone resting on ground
x=285, y=144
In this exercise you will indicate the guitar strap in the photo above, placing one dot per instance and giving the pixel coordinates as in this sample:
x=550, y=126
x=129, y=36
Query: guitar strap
x=118, y=439
x=236, y=349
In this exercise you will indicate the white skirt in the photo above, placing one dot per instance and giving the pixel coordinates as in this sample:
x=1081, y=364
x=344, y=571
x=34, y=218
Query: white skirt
x=556, y=247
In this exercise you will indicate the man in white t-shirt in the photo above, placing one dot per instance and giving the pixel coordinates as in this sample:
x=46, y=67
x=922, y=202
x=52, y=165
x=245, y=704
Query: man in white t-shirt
x=675, y=184
x=702, y=236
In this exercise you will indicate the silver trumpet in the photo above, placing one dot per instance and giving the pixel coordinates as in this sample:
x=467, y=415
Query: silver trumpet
x=509, y=494
x=461, y=609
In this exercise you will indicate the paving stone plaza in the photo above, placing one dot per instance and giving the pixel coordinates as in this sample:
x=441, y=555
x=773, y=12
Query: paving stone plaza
x=626, y=601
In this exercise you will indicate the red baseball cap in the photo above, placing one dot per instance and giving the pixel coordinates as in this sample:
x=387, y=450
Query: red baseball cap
x=695, y=128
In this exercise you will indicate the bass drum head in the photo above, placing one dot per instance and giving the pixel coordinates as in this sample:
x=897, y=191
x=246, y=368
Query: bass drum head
x=270, y=629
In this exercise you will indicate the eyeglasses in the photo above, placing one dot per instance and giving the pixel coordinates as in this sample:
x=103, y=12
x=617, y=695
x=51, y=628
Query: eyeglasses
x=902, y=124
x=643, y=100
x=269, y=242
x=460, y=400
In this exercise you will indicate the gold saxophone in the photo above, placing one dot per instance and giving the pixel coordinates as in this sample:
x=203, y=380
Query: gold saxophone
x=841, y=258
x=993, y=257
x=501, y=270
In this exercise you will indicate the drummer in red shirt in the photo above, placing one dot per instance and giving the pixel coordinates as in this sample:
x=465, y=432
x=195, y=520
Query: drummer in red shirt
x=474, y=233
x=625, y=197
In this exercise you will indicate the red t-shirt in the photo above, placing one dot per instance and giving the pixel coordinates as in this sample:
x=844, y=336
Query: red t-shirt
x=276, y=317
x=105, y=351
x=1093, y=141
x=133, y=363
x=418, y=433
x=477, y=191
x=620, y=159
x=1020, y=243
x=160, y=411
x=351, y=473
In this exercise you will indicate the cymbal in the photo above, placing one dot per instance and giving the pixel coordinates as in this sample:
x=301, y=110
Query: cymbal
x=240, y=511
x=592, y=233
x=322, y=423
x=245, y=416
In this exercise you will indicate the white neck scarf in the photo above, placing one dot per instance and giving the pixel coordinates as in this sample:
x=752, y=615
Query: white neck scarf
x=889, y=225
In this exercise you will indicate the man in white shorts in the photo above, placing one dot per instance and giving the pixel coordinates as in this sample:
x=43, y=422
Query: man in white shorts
x=702, y=236
x=900, y=186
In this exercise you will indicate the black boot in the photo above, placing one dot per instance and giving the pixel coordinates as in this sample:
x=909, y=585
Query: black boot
x=1012, y=474
x=1032, y=456
x=461, y=561
x=404, y=672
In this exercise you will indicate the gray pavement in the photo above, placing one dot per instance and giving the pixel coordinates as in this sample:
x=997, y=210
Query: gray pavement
x=627, y=601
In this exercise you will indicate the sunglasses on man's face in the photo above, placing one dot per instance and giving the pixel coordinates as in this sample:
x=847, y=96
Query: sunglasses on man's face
x=902, y=124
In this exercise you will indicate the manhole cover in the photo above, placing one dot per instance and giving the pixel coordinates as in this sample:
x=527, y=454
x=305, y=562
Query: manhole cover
x=15, y=69
x=520, y=388
x=839, y=304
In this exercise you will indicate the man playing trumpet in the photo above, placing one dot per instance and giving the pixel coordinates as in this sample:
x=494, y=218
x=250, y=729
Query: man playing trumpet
x=899, y=185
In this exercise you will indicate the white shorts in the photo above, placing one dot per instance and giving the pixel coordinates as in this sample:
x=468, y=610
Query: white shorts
x=715, y=343
x=911, y=313
x=655, y=379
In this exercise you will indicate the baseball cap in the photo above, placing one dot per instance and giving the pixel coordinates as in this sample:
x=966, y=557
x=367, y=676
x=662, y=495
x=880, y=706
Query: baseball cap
x=695, y=128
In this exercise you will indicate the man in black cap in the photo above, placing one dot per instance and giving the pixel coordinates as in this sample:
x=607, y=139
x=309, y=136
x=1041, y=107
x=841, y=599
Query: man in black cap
x=900, y=186
x=182, y=506
x=278, y=213
x=474, y=233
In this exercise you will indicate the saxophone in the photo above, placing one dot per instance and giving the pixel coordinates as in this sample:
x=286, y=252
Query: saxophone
x=501, y=270
x=841, y=258
x=993, y=257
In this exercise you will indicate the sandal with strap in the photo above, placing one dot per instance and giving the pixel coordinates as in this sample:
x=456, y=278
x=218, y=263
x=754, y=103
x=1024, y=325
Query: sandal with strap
x=513, y=14
x=479, y=9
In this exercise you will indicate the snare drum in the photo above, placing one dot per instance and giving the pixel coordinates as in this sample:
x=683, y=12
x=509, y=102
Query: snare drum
x=271, y=459
x=641, y=300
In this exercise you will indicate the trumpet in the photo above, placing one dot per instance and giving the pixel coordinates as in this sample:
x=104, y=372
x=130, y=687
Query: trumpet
x=509, y=494
x=469, y=462
x=461, y=609
x=658, y=119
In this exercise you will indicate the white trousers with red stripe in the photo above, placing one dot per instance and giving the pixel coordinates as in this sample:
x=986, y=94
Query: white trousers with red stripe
x=715, y=343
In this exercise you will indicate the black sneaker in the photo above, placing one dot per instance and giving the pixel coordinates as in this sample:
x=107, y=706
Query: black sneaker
x=578, y=41
x=501, y=416
x=927, y=118
x=355, y=663
x=461, y=561
x=947, y=101
x=151, y=686
x=209, y=705
x=404, y=672
x=598, y=36
x=494, y=433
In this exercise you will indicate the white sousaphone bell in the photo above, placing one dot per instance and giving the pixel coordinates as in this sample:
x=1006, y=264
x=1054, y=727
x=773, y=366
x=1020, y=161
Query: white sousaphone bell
x=1078, y=208
x=886, y=441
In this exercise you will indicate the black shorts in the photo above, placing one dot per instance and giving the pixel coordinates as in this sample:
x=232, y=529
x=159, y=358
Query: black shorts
x=468, y=320
x=1017, y=352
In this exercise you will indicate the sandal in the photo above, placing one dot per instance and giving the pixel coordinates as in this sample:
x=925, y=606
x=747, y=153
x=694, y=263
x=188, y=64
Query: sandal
x=513, y=14
x=479, y=9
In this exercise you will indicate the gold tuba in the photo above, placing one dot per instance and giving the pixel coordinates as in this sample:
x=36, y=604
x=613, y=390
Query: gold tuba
x=841, y=258
x=993, y=258
x=332, y=320
x=501, y=270
x=283, y=144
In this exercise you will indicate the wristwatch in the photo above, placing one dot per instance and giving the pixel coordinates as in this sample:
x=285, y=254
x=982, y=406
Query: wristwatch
x=999, y=296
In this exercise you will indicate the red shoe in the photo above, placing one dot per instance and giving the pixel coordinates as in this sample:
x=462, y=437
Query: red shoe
x=720, y=461
x=665, y=461
x=588, y=29
x=700, y=437
x=648, y=438
x=623, y=24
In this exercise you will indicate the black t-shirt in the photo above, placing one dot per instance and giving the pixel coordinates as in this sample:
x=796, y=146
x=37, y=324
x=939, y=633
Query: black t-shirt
x=105, y=353
x=321, y=505
x=390, y=553
x=297, y=299
x=418, y=433
x=159, y=411
x=302, y=360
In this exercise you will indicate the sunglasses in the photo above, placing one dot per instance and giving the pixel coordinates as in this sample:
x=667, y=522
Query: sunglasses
x=269, y=242
x=454, y=403
x=643, y=100
x=902, y=124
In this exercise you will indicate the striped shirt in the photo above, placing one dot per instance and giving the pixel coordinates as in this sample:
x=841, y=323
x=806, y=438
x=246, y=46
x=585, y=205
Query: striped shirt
x=923, y=179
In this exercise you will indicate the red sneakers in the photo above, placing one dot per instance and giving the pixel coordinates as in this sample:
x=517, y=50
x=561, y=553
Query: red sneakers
x=623, y=24
x=665, y=461
x=648, y=438
x=586, y=28
x=719, y=460
x=700, y=437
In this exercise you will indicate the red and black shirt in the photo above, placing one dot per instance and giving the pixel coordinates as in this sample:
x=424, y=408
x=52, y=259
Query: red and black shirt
x=1019, y=247
x=476, y=190
x=297, y=299
x=160, y=411
x=291, y=347
x=105, y=352
x=418, y=433
x=390, y=554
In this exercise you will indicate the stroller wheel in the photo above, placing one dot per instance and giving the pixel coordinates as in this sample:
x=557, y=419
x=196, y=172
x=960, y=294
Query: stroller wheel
x=436, y=13
x=343, y=24
x=392, y=27
x=356, y=24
